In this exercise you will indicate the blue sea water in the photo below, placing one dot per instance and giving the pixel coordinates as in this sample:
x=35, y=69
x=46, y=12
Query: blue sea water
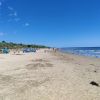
x=84, y=51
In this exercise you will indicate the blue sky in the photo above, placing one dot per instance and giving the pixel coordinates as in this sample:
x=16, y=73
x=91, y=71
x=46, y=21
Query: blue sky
x=59, y=23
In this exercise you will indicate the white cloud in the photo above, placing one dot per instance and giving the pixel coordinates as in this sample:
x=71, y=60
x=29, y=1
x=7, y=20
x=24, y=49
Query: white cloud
x=27, y=24
x=13, y=14
x=0, y=3
x=10, y=8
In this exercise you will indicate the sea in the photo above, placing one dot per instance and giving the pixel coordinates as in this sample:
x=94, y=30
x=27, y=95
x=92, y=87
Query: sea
x=84, y=51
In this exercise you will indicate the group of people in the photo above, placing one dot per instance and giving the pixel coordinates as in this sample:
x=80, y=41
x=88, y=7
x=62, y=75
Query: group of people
x=51, y=49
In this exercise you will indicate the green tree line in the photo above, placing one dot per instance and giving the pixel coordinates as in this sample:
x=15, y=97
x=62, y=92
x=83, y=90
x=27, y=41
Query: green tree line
x=12, y=45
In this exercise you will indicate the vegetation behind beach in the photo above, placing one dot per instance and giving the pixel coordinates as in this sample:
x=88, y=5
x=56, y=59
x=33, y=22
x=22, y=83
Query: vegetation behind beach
x=12, y=45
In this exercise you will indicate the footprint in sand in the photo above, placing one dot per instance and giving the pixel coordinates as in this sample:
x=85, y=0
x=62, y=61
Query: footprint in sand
x=38, y=65
x=39, y=60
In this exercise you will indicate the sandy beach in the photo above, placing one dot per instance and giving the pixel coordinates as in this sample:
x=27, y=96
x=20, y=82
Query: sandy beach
x=49, y=76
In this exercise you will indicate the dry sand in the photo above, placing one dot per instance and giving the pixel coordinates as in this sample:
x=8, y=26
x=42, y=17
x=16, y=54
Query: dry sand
x=49, y=76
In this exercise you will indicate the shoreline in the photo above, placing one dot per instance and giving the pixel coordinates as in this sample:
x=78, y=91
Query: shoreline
x=83, y=51
x=78, y=55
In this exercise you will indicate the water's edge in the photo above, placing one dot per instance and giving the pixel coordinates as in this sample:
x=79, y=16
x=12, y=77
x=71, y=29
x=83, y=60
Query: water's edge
x=84, y=51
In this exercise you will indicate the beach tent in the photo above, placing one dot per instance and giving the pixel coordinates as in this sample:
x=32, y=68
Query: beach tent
x=5, y=50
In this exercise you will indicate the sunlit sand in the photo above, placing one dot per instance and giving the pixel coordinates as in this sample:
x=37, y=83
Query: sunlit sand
x=49, y=76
